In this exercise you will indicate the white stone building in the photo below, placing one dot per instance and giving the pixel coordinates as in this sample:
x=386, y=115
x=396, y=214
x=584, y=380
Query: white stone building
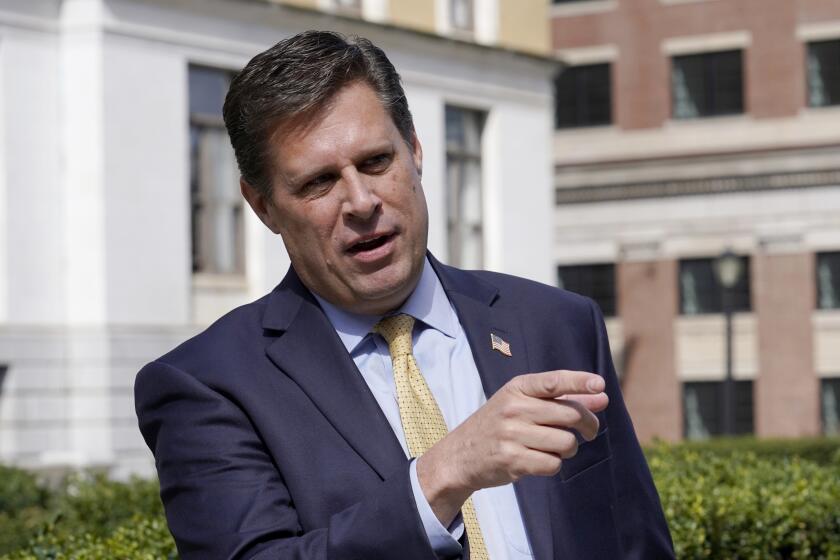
x=110, y=148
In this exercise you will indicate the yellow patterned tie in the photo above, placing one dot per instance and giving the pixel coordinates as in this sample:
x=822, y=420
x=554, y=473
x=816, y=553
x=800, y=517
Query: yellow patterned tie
x=421, y=418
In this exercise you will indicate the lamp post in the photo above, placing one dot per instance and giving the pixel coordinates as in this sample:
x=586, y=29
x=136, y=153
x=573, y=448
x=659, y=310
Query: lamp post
x=728, y=272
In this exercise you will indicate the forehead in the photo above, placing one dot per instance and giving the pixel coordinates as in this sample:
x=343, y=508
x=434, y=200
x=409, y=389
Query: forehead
x=350, y=122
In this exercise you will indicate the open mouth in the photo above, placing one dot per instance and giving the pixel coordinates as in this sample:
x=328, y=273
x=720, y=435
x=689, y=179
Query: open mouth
x=370, y=244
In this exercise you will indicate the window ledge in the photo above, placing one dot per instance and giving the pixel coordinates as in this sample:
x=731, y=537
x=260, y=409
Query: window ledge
x=705, y=319
x=821, y=112
x=818, y=31
x=461, y=34
x=582, y=8
x=581, y=56
x=708, y=121
x=220, y=282
x=570, y=131
x=827, y=317
x=668, y=2
x=706, y=43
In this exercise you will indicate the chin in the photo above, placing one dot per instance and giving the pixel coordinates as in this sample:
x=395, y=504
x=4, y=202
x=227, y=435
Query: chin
x=386, y=289
x=371, y=292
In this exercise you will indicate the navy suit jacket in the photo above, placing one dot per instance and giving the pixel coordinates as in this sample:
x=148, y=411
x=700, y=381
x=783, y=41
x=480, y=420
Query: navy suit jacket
x=269, y=444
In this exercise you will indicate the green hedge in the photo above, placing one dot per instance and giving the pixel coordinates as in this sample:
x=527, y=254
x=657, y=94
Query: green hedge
x=141, y=538
x=821, y=450
x=749, y=499
x=24, y=506
x=734, y=498
x=88, y=517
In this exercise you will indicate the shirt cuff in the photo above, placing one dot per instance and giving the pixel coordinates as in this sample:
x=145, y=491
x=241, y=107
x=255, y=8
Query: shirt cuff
x=444, y=541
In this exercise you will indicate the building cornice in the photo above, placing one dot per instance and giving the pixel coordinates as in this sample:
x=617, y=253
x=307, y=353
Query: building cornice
x=354, y=20
x=698, y=186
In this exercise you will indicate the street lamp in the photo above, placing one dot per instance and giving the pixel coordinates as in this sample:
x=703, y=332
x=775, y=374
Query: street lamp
x=728, y=272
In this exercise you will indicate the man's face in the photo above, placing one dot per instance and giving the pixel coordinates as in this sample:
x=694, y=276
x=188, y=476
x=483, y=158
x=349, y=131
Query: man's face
x=348, y=203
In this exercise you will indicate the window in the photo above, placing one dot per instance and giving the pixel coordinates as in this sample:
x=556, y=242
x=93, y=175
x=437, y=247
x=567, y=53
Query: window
x=828, y=280
x=824, y=73
x=349, y=7
x=596, y=281
x=583, y=96
x=701, y=293
x=830, y=406
x=461, y=15
x=217, y=216
x=707, y=85
x=463, y=187
x=703, y=408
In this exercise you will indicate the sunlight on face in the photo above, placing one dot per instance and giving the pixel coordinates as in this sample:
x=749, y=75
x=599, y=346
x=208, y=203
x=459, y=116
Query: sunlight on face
x=348, y=202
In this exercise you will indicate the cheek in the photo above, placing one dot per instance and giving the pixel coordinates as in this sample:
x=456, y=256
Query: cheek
x=321, y=233
x=403, y=190
x=305, y=234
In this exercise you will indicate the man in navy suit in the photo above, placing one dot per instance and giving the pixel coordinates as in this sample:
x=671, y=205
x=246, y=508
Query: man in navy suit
x=278, y=432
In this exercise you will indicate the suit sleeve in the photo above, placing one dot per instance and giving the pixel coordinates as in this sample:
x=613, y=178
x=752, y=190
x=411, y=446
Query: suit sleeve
x=643, y=531
x=225, y=498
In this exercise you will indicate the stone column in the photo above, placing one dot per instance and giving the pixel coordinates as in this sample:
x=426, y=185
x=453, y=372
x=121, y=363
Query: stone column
x=787, y=387
x=647, y=305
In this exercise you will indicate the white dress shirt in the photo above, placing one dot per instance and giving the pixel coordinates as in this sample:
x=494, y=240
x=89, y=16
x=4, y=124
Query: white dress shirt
x=444, y=357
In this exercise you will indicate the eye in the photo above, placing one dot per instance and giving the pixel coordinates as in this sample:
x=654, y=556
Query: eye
x=376, y=164
x=318, y=185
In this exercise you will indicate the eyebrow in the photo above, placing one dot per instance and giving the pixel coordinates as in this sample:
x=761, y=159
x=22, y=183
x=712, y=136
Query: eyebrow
x=306, y=176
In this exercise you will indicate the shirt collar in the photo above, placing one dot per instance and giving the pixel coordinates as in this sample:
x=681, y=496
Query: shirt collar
x=427, y=303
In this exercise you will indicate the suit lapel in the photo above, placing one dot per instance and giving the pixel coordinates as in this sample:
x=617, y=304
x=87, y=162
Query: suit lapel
x=328, y=375
x=331, y=380
x=474, y=301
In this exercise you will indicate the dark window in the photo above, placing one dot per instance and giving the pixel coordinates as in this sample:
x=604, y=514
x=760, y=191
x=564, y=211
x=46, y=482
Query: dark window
x=703, y=408
x=830, y=401
x=4, y=368
x=583, y=96
x=596, y=281
x=348, y=7
x=707, y=85
x=461, y=15
x=828, y=280
x=217, y=226
x=824, y=73
x=464, y=215
x=701, y=293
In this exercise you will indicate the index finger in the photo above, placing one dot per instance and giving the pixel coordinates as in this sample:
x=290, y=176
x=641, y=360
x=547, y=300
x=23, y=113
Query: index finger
x=551, y=384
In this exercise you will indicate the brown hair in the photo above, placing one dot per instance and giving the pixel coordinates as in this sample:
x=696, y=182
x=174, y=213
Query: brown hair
x=296, y=76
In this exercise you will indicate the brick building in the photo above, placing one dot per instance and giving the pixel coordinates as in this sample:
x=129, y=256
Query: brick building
x=685, y=128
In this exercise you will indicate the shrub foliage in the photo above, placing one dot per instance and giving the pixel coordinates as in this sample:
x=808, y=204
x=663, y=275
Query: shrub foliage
x=724, y=503
x=730, y=498
x=87, y=518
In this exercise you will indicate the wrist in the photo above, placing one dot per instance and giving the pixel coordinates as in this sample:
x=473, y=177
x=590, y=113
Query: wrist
x=442, y=491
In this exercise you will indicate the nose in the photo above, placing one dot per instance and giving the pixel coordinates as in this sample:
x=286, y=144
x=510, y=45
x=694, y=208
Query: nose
x=361, y=201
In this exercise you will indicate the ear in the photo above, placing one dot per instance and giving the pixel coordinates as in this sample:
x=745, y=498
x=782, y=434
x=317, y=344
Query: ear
x=417, y=153
x=263, y=208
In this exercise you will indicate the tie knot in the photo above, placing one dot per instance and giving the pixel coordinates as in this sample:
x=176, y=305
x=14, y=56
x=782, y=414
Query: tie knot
x=396, y=330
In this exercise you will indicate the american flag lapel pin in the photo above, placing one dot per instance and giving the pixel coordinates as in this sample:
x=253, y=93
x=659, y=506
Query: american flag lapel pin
x=498, y=343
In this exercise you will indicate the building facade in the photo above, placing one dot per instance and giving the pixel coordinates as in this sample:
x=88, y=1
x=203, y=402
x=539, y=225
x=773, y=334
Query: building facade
x=685, y=128
x=121, y=229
